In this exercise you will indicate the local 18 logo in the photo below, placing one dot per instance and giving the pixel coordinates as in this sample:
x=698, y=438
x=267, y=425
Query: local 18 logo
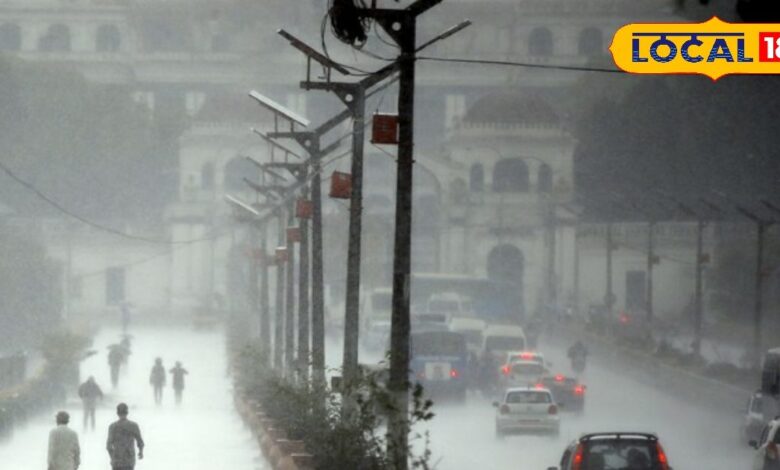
x=713, y=48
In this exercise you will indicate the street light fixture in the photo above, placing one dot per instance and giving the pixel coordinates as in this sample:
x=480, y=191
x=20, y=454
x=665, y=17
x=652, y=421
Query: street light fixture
x=278, y=109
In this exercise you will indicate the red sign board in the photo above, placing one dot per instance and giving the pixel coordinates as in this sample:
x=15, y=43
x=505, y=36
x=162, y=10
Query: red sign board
x=384, y=129
x=341, y=185
x=294, y=234
x=281, y=256
x=304, y=209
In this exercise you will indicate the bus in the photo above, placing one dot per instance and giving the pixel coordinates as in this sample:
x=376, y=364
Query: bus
x=439, y=361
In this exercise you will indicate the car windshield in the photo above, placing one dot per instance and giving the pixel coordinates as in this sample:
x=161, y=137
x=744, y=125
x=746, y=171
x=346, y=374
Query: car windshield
x=527, y=369
x=504, y=343
x=622, y=454
x=528, y=397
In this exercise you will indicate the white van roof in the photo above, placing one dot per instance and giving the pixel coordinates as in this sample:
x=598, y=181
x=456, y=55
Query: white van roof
x=504, y=330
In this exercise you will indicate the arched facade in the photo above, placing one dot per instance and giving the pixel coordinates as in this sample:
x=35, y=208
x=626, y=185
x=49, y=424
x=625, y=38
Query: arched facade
x=511, y=175
x=56, y=39
x=108, y=38
x=544, y=183
x=590, y=42
x=540, y=42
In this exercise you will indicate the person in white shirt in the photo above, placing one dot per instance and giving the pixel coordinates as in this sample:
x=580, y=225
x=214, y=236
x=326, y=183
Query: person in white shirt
x=64, y=451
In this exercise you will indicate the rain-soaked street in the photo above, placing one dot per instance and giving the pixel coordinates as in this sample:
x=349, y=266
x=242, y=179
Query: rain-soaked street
x=696, y=437
x=203, y=433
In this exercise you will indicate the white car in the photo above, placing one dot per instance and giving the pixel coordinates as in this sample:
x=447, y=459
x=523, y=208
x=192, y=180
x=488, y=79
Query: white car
x=527, y=409
x=768, y=448
x=522, y=373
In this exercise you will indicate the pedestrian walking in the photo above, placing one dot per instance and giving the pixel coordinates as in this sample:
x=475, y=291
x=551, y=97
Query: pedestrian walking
x=123, y=437
x=115, y=359
x=90, y=393
x=157, y=379
x=64, y=451
x=178, y=373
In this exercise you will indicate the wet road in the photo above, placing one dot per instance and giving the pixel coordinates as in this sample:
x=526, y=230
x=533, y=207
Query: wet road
x=695, y=437
x=203, y=433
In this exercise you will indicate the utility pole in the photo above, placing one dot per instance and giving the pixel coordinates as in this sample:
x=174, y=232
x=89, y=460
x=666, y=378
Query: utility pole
x=272, y=192
x=551, y=225
x=401, y=26
x=762, y=225
x=353, y=95
x=311, y=141
x=609, y=295
x=650, y=264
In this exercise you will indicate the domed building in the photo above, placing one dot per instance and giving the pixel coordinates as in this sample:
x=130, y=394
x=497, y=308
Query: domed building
x=511, y=166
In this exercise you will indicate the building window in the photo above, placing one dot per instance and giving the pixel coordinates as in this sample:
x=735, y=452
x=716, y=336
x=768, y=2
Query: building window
x=591, y=42
x=56, y=39
x=207, y=176
x=545, y=179
x=477, y=178
x=510, y=176
x=10, y=37
x=540, y=42
x=108, y=38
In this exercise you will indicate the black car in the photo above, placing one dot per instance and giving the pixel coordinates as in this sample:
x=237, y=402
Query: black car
x=614, y=450
x=569, y=393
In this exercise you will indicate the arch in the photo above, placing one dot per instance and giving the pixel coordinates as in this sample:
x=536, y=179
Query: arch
x=108, y=38
x=545, y=182
x=591, y=42
x=207, y=176
x=506, y=263
x=540, y=42
x=510, y=176
x=477, y=178
x=56, y=39
x=10, y=37
x=427, y=211
x=235, y=171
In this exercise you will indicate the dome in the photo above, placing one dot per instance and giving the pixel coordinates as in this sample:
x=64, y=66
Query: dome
x=510, y=108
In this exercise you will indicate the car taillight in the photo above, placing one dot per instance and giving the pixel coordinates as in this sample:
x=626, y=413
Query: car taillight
x=526, y=356
x=624, y=319
x=662, y=460
x=576, y=462
x=504, y=409
x=559, y=378
x=539, y=386
x=506, y=370
x=552, y=410
x=771, y=451
x=454, y=373
x=579, y=390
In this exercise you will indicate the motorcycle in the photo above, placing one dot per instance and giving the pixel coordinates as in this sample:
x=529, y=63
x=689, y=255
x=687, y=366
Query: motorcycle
x=578, y=363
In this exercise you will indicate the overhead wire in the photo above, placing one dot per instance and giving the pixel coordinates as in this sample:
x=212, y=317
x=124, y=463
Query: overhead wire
x=41, y=195
x=509, y=63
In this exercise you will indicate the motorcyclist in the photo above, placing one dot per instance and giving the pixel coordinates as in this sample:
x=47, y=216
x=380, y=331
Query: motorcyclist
x=578, y=354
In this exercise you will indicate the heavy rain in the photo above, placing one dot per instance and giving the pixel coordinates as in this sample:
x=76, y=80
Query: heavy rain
x=389, y=234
